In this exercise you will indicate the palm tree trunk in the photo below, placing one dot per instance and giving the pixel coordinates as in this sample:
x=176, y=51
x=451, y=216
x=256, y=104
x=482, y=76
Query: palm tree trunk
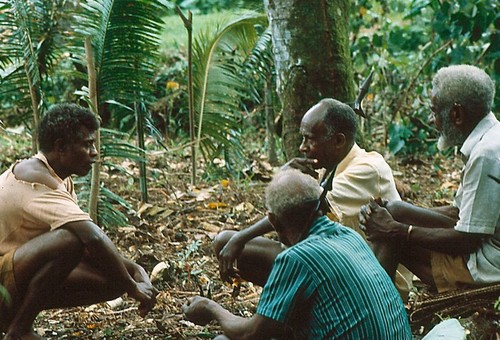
x=270, y=128
x=139, y=114
x=96, y=168
x=188, y=23
x=35, y=101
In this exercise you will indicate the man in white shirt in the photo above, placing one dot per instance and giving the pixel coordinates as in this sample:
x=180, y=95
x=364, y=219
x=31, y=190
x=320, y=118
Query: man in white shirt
x=456, y=246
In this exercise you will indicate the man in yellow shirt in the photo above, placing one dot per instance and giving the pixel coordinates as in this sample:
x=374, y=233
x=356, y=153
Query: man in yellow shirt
x=328, y=130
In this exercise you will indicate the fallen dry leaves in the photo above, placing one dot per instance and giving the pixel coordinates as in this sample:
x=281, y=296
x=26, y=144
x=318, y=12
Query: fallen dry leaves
x=171, y=237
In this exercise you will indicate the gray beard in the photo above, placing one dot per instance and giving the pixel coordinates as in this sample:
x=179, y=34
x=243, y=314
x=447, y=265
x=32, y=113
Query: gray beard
x=449, y=137
x=443, y=143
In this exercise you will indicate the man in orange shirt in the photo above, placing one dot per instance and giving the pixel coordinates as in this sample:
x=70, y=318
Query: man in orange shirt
x=52, y=255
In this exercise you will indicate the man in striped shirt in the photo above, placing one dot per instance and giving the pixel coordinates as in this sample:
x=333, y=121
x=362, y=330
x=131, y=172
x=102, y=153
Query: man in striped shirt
x=326, y=285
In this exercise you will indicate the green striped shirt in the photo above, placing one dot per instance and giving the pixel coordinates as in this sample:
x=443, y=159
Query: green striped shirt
x=331, y=286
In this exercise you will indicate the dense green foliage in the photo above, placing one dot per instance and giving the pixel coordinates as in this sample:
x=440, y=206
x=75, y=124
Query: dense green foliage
x=406, y=42
x=403, y=41
x=211, y=6
x=141, y=78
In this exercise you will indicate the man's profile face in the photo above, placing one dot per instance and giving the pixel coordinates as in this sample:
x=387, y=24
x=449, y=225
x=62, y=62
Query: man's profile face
x=449, y=134
x=316, y=144
x=78, y=157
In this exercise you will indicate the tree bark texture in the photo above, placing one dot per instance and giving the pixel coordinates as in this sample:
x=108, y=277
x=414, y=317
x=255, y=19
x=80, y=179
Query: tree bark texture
x=312, y=58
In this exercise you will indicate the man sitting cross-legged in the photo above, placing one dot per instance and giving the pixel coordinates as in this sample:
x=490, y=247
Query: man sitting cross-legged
x=329, y=131
x=456, y=246
x=51, y=253
x=326, y=285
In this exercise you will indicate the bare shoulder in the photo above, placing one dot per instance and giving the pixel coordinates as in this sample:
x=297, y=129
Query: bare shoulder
x=34, y=171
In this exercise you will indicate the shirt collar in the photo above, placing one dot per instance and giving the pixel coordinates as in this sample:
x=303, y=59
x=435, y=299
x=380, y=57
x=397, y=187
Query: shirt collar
x=318, y=225
x=477, y=134
x=348, y=158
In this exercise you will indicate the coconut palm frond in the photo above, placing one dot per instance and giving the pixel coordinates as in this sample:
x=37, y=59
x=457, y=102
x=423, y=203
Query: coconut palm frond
x=18, y=52
x=31, y=37
x=115, y=144
x=125, y=37
x=109, y=215
x=218, y=85
x=15, y=95
x=261, y=58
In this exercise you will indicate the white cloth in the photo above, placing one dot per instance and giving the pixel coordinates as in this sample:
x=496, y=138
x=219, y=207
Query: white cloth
x=478, y=198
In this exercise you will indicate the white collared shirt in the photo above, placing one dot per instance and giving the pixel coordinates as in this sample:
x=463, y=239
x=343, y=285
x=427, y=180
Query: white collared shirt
x=478, y=198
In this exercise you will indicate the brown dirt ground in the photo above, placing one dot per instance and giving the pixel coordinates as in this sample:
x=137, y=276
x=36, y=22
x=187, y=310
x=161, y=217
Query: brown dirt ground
x=176, y=229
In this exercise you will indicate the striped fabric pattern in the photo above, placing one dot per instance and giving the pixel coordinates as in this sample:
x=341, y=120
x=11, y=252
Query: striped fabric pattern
x=331, y=286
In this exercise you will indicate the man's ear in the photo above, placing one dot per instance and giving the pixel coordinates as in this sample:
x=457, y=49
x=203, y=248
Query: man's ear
x=59, y=145
x=457, y=115
x=340, y=139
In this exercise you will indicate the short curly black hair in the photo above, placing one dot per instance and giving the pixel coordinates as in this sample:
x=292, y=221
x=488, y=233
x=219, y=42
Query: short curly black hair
x=63, y=121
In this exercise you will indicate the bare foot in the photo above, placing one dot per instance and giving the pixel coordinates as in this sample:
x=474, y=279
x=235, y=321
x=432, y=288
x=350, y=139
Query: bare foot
x=28, y=336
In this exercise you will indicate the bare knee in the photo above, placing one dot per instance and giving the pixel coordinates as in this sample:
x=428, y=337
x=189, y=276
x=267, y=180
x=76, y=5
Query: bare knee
x=221, y=240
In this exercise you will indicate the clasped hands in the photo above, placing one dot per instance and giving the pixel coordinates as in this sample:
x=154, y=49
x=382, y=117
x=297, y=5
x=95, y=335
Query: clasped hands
x=376, y=221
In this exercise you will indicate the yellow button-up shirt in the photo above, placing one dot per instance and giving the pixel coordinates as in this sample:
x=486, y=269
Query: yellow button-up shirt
x=358, y=177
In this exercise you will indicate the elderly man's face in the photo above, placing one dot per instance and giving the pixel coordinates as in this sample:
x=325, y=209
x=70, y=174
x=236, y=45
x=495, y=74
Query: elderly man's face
x=286, y=234
x=449, y=135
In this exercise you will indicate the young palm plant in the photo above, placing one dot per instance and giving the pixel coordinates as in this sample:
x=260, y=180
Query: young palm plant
x=30, y=41
x=219, y=50
x=125, y=39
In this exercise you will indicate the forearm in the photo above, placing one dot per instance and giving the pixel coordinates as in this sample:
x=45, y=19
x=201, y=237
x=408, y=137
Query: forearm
x=136, y=271
x=439, y=217
x=201, y=311
x=444, y=240
x=263, y=226
x=234, y=327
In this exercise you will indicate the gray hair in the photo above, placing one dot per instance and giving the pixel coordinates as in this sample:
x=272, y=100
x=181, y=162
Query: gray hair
x=339, y=118
x=291, y=189
x=466, y=85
